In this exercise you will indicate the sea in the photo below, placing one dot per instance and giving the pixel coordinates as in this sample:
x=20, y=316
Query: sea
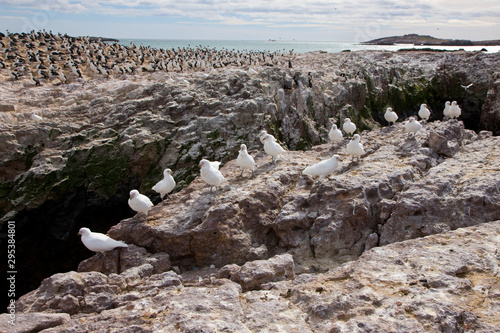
x=287, y=46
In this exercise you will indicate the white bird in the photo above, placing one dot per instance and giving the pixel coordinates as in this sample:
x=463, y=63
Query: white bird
x=210, y=173
x=166, y=185
x=245, y=160
x=262, y=136
x=272, y=148
x=35, y=117
x=97, y=242
x=467, y=86
x=349, y=127
x=139, y=202
x=215, y=164
x=446, y=111
x=455, y=110
x=390, y=116
x=354, y=147
x=424, y=113
x=335, y=135
x=324, y=168
x=412, y=126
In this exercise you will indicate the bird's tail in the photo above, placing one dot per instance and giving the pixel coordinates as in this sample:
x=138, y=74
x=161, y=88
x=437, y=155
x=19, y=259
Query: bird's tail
x=121, y=244
x=307, y=171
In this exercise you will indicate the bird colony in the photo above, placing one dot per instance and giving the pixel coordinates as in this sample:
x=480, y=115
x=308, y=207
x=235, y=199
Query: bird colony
x=211, y=174
x=42, y=57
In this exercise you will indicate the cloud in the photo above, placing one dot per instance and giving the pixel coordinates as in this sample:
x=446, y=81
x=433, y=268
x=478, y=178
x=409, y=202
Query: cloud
x=375, y=16
x=265, y=11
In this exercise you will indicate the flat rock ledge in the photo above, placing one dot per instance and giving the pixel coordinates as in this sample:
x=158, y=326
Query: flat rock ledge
x=448, y=282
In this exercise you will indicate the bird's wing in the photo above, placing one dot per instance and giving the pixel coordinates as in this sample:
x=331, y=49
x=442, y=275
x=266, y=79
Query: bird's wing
x=215, y=164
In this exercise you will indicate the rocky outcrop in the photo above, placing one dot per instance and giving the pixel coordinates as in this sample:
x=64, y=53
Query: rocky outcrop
x=121, y=259
x=254, y=274
x=451, y=195
x=277, y=250
x=104, y=136
x=445, y=282
x=405, y=187
x=490, y=113
x=101, y=137
x=32, y=322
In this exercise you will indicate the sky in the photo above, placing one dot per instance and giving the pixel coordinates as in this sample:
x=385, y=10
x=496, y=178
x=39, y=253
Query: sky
x=300, y=20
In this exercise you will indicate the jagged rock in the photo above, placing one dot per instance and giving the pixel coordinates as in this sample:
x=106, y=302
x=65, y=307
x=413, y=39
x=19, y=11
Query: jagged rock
x=7, y=108
x=461, y=191
x=253, y=274
x=32, y=322
x=447, y=144
x=444, y=282
x=119, y=260
x=101, y=139
x=362, y=205
x=93, y=292
x=490, y=114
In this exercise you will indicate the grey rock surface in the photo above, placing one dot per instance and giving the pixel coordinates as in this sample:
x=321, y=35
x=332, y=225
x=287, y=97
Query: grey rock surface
x=406, y=239
x=444, y=282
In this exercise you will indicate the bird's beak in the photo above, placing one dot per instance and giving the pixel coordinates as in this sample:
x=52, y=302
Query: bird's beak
x=79, y=233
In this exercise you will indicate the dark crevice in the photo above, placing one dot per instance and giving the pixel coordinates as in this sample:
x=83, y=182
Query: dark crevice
x=46, y=237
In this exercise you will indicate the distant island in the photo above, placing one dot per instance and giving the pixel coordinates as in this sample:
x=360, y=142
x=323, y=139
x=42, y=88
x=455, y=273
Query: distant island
x=416, y=39
x=104, y=39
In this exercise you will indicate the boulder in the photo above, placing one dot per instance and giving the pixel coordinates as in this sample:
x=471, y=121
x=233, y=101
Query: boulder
x=254, y=274
x=32, y=322
x=120, y=259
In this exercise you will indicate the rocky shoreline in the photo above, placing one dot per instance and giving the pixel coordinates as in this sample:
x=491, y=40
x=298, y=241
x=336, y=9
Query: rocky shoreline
x=310, y=258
